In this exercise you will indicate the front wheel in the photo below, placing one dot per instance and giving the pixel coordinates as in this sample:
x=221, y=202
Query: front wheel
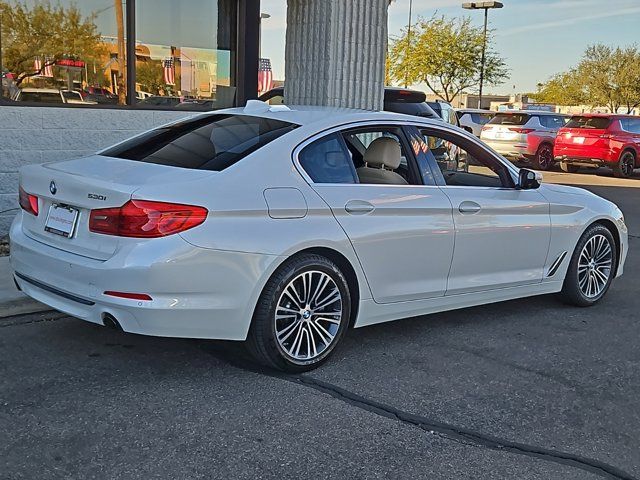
x=592, y=267
x=543, y=159
x=301, y=316
x=624, y=167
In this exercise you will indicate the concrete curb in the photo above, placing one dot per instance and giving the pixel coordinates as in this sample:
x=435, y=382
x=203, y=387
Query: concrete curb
x=12, y=301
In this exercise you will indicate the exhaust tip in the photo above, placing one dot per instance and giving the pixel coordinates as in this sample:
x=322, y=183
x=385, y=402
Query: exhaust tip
x=110, y=321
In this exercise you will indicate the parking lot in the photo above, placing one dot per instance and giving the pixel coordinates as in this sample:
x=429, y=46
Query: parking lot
x=526, y=389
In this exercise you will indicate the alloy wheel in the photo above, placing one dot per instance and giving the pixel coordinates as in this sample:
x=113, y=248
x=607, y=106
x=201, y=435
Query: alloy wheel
x=595, y=266
x=545, y=157
x=627, y=164
x=308, y=316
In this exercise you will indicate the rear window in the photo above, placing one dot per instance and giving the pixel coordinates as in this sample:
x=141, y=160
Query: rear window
x=481, y=118
x=404, y=96
x=417, y=109
x=213, y=142
x=599, y=123
x=44, y=97
x=510, y=119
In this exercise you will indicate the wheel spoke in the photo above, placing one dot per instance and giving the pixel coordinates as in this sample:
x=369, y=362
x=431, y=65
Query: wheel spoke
x=303, y=331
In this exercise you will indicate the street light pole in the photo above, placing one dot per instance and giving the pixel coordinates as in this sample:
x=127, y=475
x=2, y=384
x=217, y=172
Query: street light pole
x=263, y=16
x=406, y=75
x=482, y=6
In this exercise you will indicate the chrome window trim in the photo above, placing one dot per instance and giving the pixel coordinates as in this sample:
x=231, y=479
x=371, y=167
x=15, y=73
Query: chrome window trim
x=446, y=127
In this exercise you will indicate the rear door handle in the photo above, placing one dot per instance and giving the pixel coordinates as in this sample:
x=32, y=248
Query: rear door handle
x=359, y=207
x=469, y=207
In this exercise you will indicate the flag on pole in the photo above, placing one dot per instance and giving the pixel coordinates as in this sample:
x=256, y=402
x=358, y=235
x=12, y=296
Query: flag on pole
x=48, y=67
x=47, y=70
x=265, y=75
x=169, y=71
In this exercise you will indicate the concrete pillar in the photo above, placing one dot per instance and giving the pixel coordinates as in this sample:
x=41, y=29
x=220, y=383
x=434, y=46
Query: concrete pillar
x=335, y=53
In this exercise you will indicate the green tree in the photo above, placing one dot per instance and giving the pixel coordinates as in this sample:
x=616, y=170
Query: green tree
x=45, y=31
x=149, y=76
x=445, y=54
x=605, y=76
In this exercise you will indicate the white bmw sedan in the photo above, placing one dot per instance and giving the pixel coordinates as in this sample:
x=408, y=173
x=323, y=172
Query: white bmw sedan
x=283, y=227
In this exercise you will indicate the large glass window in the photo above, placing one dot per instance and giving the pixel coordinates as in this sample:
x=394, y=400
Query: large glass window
x=185, y=53
x=69, y=51
x=50, y=48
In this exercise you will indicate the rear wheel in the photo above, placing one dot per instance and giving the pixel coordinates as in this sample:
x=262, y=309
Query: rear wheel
x=569, y=168
x=626, y=164
x=543, y=159
x=592, y=267
x=301, y=316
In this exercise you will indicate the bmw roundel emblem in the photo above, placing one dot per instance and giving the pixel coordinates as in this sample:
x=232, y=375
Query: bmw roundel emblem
x=52, y=187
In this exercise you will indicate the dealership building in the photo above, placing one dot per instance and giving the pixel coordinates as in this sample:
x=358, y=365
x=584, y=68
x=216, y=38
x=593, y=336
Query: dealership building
x=189, y=56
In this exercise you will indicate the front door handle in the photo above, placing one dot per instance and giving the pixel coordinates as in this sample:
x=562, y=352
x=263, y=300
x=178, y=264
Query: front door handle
x=359, y=207
x=469, y=207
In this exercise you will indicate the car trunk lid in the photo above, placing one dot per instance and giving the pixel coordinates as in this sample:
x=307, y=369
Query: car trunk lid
x=67, y=192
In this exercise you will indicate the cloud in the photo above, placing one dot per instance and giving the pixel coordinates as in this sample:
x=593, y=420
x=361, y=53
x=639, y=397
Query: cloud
x=568, y=21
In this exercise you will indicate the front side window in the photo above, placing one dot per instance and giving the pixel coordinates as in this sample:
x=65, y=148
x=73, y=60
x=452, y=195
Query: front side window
x=212, y=142
x=462, y=163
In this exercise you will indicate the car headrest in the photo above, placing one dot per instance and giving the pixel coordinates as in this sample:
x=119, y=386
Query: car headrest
x=383, y=151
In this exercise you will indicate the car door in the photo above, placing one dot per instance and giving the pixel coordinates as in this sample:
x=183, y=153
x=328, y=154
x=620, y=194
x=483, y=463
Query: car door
x=402, y=233
x=502, y=233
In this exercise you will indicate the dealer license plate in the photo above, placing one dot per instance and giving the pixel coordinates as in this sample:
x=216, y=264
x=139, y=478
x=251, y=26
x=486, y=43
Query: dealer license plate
x=578, y=140
x=61, y=220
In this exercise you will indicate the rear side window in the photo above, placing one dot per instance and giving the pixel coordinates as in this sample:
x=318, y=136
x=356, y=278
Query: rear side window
x=599, y=123
x=510, y=119
x=630, y=125
x=552, y=121
x=328, y=161
x=212, y=142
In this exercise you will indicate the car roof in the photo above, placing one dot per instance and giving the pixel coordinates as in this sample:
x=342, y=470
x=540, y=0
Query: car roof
x=474, y=110
x=530, y=112
x=305, y=115
x=40, y=90
x=604, y=115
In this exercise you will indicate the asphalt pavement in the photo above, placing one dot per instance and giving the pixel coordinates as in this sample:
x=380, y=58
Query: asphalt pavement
x=527, y=389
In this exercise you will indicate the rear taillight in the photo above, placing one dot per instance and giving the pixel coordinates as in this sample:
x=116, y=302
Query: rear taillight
x=146, y=219
x=28, y=202
x=522, y=131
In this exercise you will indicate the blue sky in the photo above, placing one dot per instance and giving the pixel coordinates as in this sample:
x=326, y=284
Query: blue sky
x=536, y=37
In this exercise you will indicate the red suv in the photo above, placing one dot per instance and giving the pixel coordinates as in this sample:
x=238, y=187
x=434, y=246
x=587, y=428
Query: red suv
x=597, y=140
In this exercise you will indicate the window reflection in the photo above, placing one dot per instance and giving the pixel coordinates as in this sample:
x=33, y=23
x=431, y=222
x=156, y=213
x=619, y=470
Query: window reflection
x=52, y=48
x=184, y=53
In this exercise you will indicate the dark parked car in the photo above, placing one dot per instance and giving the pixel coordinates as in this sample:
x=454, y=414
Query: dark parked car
x=446, y=112
x=397, y=100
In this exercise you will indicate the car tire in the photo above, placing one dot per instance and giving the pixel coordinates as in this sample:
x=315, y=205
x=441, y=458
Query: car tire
x=592, y=267
x=626, y=164
x=291, y=329
x=568, y=168
x=543, y=159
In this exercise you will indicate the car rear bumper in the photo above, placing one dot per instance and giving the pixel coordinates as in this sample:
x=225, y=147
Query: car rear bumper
x=196, y=292
x=577, y=155
x=511, y=150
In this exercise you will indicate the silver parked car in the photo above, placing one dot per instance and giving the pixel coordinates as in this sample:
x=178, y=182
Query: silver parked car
x=473, y=119
x=527, y=136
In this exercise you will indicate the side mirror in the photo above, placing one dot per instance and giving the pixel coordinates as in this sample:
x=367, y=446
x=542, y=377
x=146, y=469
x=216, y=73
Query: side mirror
x=528, y=179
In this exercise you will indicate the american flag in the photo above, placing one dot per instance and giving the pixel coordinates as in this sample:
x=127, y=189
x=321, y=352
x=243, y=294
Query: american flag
x=169, y=71
x=265, y=76
x=48, y=69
